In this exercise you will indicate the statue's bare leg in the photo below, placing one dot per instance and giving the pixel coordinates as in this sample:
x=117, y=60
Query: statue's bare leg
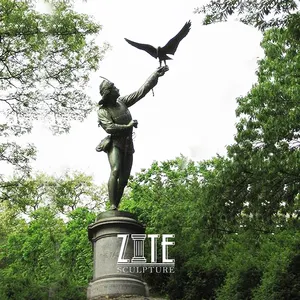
x=115, y=161
x=124, y=175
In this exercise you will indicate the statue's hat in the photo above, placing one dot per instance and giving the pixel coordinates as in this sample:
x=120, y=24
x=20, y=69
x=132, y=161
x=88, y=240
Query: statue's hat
x=105, y=88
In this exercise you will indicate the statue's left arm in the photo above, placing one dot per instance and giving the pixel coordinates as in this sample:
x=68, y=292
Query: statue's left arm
x=150, y=83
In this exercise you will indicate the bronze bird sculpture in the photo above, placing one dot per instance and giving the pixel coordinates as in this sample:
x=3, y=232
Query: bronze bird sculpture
x=169, y=48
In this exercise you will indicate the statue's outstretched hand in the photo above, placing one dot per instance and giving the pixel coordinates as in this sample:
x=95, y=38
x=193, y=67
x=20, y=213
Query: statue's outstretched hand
x=162, y=70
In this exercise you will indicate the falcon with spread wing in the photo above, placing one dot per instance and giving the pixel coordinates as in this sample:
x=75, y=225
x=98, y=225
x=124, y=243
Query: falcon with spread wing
x=169, y=48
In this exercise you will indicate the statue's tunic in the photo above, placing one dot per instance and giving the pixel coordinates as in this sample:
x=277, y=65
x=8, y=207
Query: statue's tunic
x=109, y=117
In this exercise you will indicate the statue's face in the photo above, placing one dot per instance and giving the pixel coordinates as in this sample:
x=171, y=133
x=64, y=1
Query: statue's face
x=114, y=92
x=113, y=95
x=109, y=92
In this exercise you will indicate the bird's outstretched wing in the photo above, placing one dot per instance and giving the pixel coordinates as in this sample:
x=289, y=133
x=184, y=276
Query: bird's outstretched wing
x=148, y=48
x=173, y=43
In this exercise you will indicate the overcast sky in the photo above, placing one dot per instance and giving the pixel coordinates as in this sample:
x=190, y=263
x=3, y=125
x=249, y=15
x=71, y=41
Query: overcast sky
x=193, y=109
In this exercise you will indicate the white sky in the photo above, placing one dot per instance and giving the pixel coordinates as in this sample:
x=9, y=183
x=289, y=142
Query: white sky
x=193, y=110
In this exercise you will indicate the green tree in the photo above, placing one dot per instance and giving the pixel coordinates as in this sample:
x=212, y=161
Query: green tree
x=63, y=194
x=45, y=62
x=76, y=251
x=25, y=195
x=30, y=257
x=217, y=255
x=44, y=247
x=261, y=14
x=168, y=198
x=15, y=155
x=75, y=190
x=256, y=187
x=259, y=181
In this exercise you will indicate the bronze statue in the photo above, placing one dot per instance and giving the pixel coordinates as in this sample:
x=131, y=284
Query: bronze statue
x=115, y=118
x=169, y=48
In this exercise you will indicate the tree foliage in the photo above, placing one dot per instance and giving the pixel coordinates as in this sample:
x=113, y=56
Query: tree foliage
x=64, y=193
x=17, y=156
x=45, y=63
x=267, y=141
x=42, y=261
x=44, y=250
x=261, y=14
x=46, y=60
x=169, y=198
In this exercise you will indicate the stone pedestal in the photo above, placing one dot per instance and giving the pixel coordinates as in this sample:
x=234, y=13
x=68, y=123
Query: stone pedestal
x=108, y=279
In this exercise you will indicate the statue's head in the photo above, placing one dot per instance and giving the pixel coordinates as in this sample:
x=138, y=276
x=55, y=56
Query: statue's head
x=108, y=91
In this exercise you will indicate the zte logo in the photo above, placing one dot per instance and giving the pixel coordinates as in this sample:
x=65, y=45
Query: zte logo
x=139, y=247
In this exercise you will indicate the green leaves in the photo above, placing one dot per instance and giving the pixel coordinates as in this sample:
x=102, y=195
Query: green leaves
x=75, y=250
x=47, y=256
x=46, y=60
x=261, y=14
x=44, y=246
x=45, y=63
x=74, y=190
x=267, y=140
x=63, y=194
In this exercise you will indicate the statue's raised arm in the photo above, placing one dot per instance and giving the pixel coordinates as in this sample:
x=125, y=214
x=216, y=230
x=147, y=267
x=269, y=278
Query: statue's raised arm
x=150, y=83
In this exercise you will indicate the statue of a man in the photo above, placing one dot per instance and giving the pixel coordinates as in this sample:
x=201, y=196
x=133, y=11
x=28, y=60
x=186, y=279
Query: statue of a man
x=115, y=118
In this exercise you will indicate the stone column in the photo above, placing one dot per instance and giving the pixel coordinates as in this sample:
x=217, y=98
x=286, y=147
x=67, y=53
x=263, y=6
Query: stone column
x=109, y=280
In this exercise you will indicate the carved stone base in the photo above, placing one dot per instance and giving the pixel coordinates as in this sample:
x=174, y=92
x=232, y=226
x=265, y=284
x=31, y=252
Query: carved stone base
x=108, y=280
